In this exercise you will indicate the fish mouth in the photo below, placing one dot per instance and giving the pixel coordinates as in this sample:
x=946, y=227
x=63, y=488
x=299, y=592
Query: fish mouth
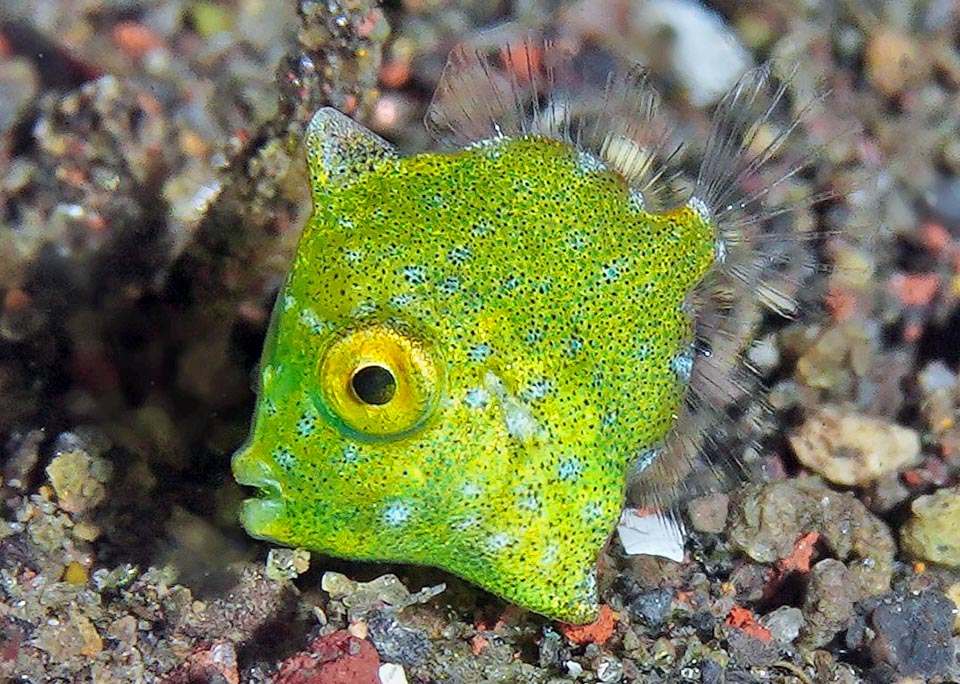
x=258, y=515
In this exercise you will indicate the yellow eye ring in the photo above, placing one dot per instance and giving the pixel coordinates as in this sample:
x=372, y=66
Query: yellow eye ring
x=380, y=382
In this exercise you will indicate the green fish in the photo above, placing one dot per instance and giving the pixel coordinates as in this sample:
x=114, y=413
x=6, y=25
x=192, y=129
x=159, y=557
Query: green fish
x=475, y=346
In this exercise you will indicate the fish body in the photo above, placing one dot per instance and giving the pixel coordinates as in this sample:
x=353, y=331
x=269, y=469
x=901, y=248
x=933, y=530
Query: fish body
x=471, y=350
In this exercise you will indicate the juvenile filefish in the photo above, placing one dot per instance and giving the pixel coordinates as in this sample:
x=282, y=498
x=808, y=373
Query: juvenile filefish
x=474, y=346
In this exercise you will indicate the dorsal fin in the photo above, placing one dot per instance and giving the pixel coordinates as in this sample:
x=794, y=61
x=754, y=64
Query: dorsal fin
x=338, y=148
x=537, y=88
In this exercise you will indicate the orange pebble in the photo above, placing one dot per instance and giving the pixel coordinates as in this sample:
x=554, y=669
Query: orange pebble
x=915, y=289
x=395, y=73
x=16, y=300
x=477, y=644
x=935, y=236
x=135, y=39
x=799, y=558
x=597, y=632
x=842, y=304
x=742, y=618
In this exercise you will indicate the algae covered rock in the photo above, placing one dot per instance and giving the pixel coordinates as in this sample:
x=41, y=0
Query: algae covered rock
x=767, y=520
x=931, y=532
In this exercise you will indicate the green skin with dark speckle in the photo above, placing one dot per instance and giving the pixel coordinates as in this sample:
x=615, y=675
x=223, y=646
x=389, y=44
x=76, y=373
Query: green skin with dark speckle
x=548, y=310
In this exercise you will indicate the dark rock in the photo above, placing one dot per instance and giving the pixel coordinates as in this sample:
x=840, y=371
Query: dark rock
x=908, y=634
x=395, y=642
x=828, y=604
x=650, y=607
x=711, y=672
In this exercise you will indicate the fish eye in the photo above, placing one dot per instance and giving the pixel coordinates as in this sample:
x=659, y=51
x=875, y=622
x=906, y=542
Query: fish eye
x=374, y=385
x=379, y=382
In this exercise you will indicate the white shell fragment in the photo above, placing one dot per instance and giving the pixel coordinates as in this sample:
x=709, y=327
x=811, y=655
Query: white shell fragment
x=651, y=534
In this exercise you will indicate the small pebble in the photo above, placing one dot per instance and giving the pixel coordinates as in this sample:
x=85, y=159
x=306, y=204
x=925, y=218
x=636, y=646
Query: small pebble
x=852, y=449
x=892, y=61
x=287, y=564
x=828, y=604
x=909, y=634
x=650, y=607
x=709, y=513
x=784, y=623
x=78, y=479
x=395, y=642
x=931, y=532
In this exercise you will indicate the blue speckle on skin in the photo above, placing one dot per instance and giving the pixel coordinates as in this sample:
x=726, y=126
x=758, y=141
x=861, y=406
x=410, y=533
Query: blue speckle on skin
x=498, y=541
x=544, y=286
x=682, y=365
x=645, y=459
x=460, y=255
x=481, y=229
x=396, y=513
x=415, y=275
x=350, y=453
x=592, y=511
x=596, y=379
x=307, y=423
x=529, y=502
x=576, y=241
x=477, y=398
x=536, y=390
x=471, y=490
x=570, y=469
x=480, y=353
x=449, y=285
x=609, y=419
x=574, y=346
x=364, y=308
x=465, y=523
x=312, y=321
x=610, y=272
x=284, y=458
x=401, y=300
x=535, y=336
x=642, y=352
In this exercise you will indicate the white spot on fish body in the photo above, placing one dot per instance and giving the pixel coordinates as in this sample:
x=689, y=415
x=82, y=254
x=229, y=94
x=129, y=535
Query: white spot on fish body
x=471, y=490
x=396, y=513
x=498, y=542
x=570, y=469
x=700, y=208
x=587, y=163
x=415, y=275
x=477, y=398
x=480, y=352
x=682, y=364
x=517, y=416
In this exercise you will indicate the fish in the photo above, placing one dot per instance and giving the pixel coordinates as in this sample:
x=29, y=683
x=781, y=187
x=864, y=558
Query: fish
x=478, y=348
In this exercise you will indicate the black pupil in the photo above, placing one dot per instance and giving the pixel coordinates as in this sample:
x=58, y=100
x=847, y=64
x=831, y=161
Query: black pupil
x=374, y=385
